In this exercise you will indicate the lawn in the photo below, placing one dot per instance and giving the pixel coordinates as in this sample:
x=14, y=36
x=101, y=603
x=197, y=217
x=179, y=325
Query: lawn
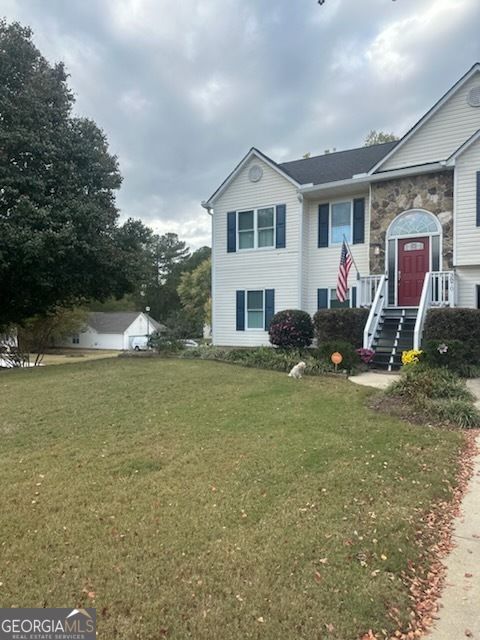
x=202, y=500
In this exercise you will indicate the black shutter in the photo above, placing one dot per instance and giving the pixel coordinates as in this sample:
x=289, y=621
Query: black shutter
x=323, y=214
x=478, y=198
x=322, y=298
x=231, y=231
x=478, y=296
x=359, y=221
x=280, y=240
x=269, y=307
x=240, y=310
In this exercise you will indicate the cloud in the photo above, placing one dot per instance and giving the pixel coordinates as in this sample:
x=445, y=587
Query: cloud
x=184, y=89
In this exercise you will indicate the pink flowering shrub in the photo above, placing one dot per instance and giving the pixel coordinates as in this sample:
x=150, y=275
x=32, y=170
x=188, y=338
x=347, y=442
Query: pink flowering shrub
x=291, y=328
x=365, y=355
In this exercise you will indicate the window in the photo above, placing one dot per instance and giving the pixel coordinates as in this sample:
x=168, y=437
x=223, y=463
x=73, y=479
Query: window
x=256, y=229
x=76, y=339
x=335, y=304
x=266, y=227
x=255, y=306
x=246, y=232
x=341, y=218
x=414, y=222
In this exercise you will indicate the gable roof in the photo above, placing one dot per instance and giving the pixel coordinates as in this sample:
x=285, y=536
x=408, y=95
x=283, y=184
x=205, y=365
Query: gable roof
x=339, y=165
x=431, y=112
x=251, y=154
x=115, y=321
x=463, y=147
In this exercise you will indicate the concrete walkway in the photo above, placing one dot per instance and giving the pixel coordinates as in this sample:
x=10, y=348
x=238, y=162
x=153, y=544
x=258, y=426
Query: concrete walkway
x=459, y=613
x=376, y=379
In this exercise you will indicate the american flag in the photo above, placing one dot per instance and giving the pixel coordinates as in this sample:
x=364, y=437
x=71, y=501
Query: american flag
x=343, y=271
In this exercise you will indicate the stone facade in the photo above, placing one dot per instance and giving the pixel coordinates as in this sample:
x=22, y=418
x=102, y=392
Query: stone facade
x=430, y=191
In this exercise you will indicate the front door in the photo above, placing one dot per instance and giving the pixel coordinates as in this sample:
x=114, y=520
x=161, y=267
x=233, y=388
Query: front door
x=413, y=264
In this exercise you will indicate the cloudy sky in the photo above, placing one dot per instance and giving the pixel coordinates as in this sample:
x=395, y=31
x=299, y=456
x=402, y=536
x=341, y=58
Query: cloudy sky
x=183, y=88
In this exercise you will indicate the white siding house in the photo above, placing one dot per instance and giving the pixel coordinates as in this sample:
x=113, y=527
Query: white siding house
x=111, y=330
x=408, y=210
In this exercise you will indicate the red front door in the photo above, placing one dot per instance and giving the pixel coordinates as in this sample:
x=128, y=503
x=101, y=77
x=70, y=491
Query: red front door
x=413, y=264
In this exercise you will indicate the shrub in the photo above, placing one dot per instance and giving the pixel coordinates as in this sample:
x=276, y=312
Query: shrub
x=445, y=353
x=463, y=325
x=365, y=355
x=438, y=394
x=261, y=357
x=165, y=344
x=340, y=324
x=291, y=328
x=458, y=412
x=426, y=382
x=351, y=358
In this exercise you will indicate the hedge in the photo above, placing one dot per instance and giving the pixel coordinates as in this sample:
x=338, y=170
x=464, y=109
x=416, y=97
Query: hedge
x=452, y=324
x=340, y=324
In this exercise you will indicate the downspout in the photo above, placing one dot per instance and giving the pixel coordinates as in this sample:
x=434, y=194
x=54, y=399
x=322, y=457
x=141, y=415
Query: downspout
x=209, y=210
x=300, y=252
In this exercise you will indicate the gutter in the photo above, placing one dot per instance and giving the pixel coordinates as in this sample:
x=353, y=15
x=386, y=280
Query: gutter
x=207, y=207
x=365, y=179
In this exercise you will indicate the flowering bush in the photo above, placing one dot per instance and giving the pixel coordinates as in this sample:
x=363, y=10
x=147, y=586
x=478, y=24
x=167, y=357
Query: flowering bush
x=291, y=328
x=366, y=355
x=411, y=357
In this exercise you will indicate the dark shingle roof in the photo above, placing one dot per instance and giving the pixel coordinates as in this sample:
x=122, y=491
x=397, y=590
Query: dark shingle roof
x=114, y=321
x=340, y=165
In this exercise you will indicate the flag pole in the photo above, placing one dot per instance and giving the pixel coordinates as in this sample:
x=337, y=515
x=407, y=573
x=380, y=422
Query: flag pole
x=353, y=259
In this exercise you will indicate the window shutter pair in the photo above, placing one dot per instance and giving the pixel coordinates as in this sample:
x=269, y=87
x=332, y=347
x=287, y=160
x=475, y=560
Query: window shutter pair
x=322, y=298
x=358, y=232
x=269, y=302
x=280, y=228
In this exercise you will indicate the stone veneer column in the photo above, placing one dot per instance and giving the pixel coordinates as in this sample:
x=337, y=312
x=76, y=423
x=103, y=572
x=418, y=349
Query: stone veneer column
x=430, y=191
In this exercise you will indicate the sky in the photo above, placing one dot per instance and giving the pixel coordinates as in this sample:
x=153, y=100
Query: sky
x=183, y=88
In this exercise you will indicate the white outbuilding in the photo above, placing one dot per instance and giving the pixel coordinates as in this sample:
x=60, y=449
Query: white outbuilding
x=112, y=330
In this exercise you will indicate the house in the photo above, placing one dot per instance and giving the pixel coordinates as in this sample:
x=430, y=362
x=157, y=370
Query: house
x=112, y=330
x=410, y=211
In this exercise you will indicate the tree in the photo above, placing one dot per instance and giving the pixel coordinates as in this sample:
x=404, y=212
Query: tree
x=379, y=137
x=38, y=333
x=60, y=242
x=195, y=291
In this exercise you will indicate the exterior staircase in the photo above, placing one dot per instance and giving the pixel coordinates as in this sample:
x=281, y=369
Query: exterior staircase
x=394, y=334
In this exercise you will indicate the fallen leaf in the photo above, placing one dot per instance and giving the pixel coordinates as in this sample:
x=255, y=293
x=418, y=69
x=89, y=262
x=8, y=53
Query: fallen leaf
x=318, y=576
x=260, y=619
x=469, y=575
x=468, y=633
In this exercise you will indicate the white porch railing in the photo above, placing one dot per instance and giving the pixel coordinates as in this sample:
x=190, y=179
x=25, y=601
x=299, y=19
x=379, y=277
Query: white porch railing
x=438, y=291
x=368, y=286
x=376, y=309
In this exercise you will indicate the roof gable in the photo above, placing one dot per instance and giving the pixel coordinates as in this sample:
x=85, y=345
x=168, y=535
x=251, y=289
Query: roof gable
x=115, y=321
x=253, y=153
x=440, y=131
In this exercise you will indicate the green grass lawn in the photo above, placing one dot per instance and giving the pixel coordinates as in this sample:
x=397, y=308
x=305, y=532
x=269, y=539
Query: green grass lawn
x=201, y=500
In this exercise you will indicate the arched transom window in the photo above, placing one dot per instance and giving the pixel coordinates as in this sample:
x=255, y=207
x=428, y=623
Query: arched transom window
x=414, y=222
